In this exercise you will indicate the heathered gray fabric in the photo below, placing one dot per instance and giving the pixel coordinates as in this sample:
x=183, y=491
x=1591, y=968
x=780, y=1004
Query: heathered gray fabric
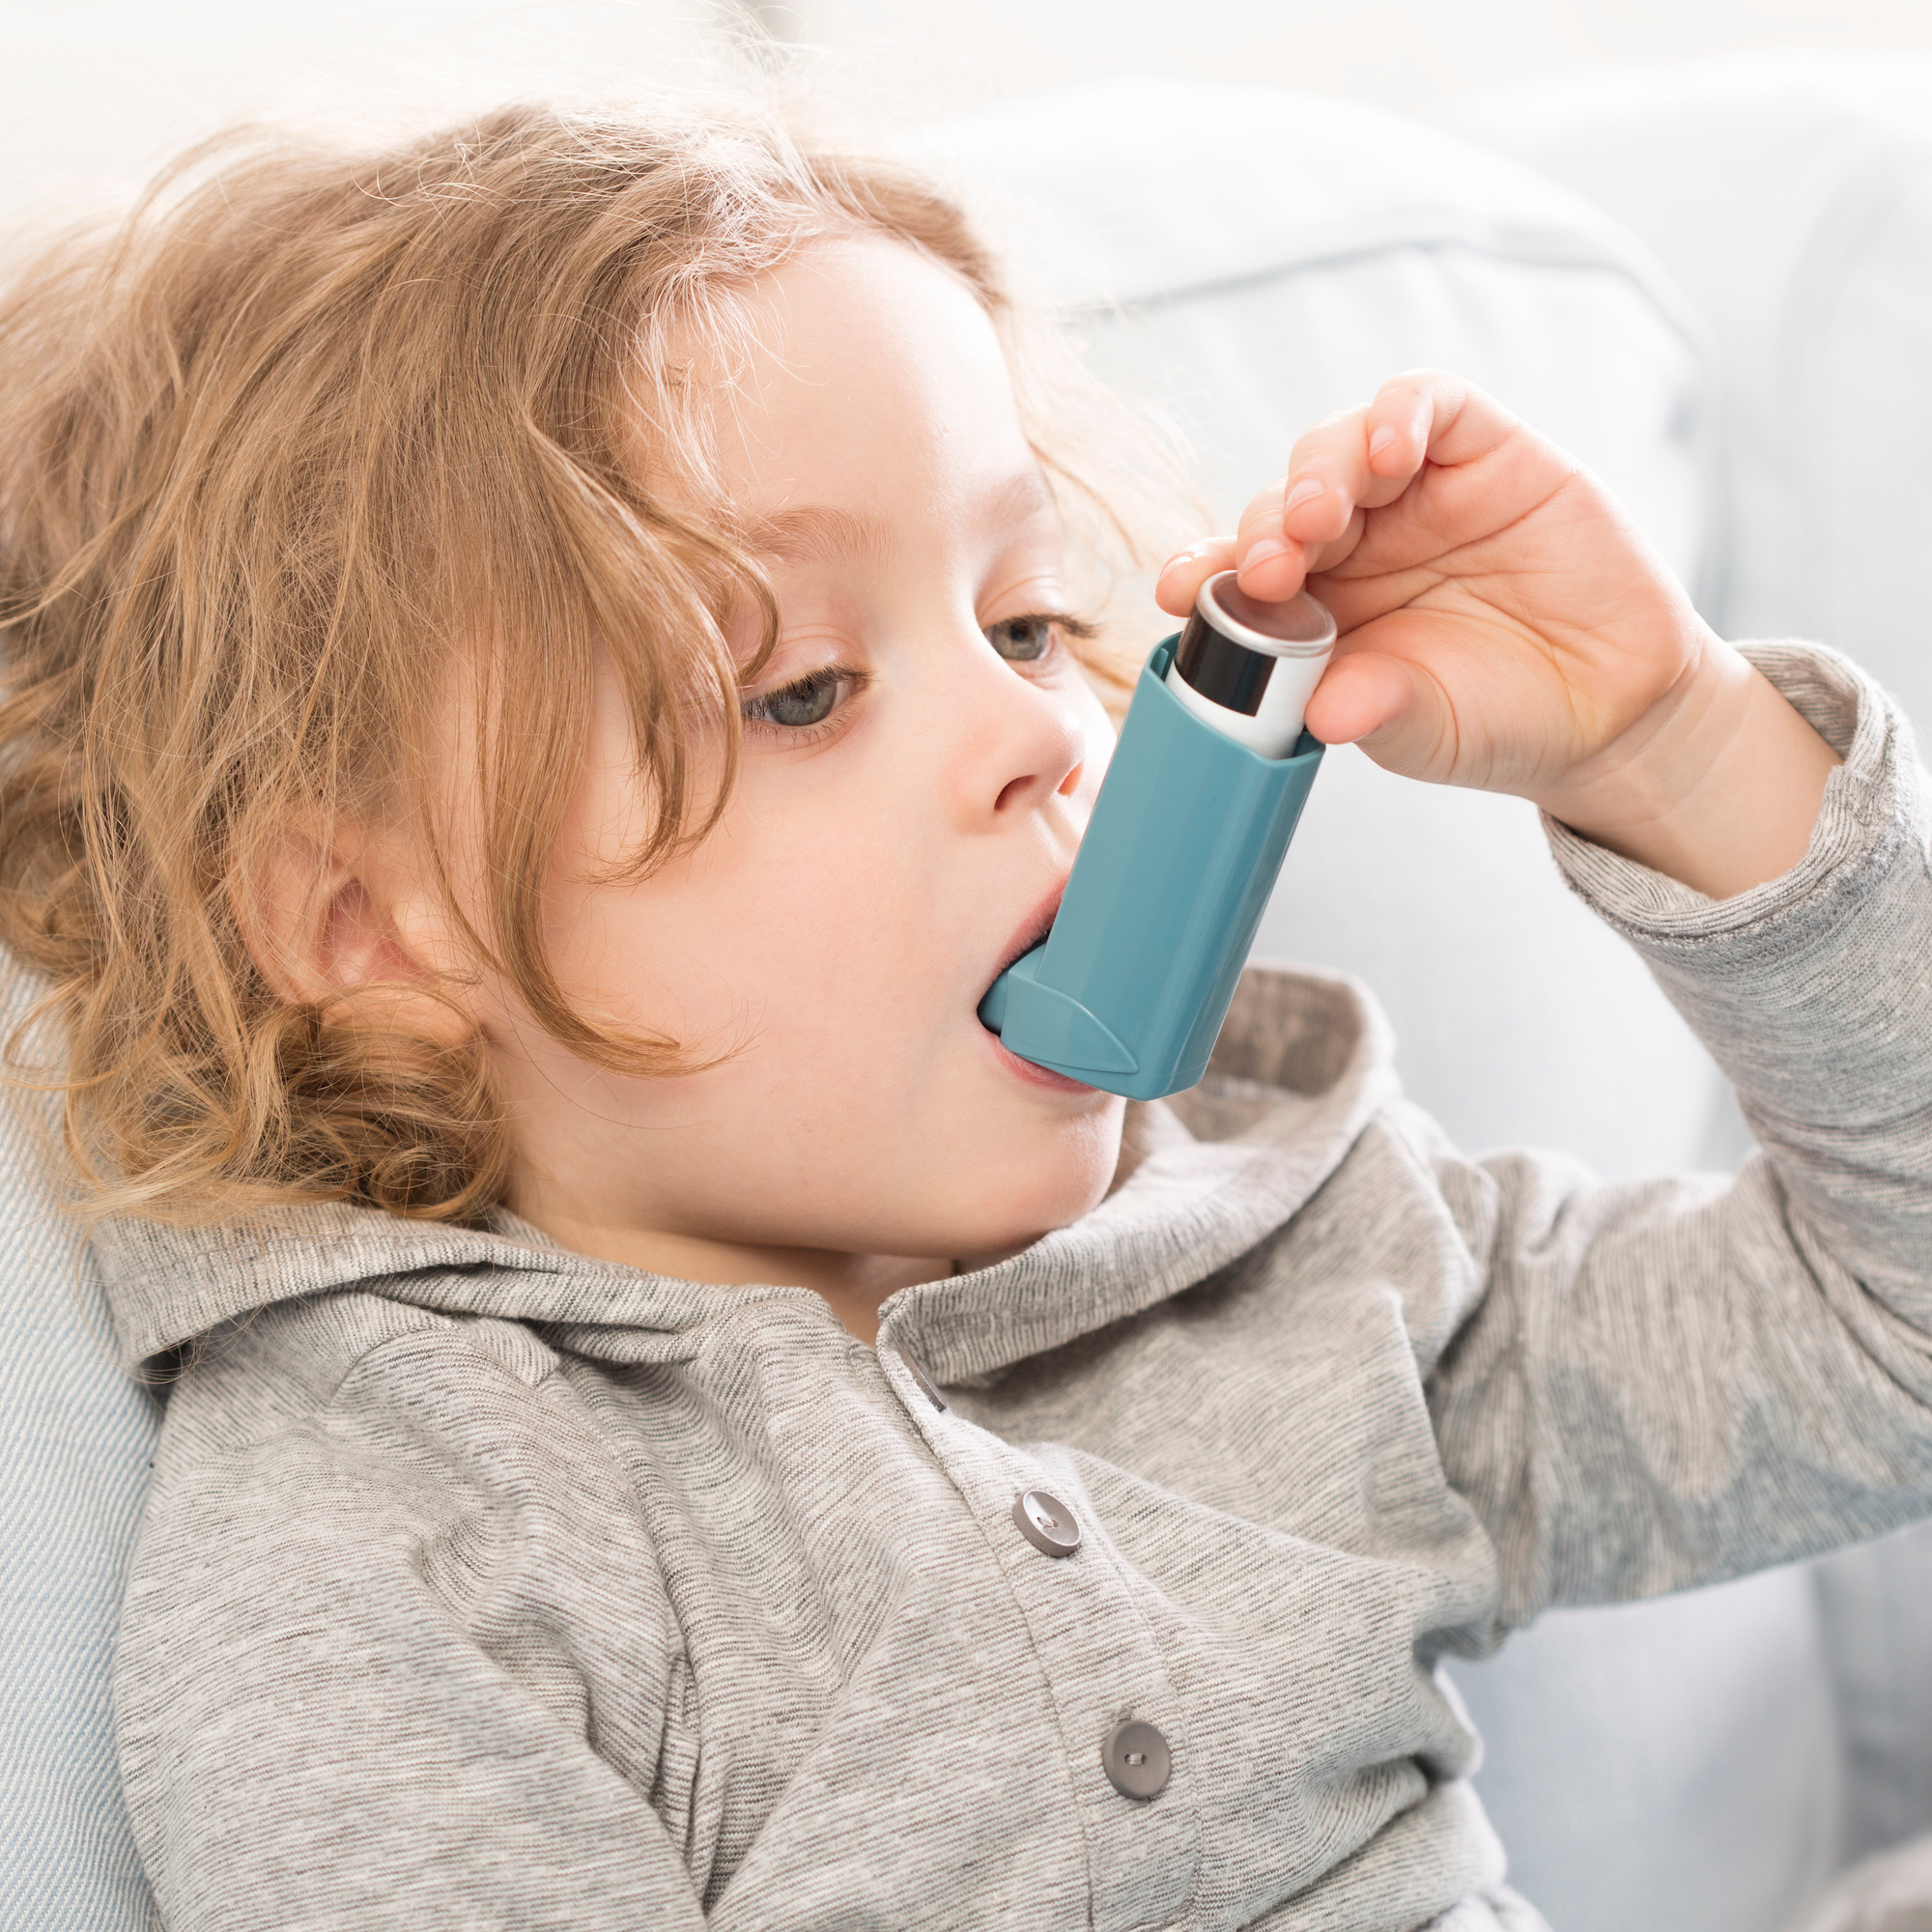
x=485, y=1584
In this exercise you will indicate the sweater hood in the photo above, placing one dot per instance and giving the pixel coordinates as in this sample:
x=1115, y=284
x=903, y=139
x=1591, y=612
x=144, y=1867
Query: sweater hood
x=1303, y=1062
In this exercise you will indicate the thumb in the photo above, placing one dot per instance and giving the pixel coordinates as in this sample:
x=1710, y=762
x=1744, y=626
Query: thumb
x=1394, y=710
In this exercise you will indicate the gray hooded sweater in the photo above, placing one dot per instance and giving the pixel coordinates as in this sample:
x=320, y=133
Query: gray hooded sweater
x=484, y=1585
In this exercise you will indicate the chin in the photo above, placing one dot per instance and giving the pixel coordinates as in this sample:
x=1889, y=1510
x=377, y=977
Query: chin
x=1019, y=1207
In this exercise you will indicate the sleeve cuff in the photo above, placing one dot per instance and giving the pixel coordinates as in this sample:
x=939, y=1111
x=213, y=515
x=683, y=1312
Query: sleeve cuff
x=1871, y=804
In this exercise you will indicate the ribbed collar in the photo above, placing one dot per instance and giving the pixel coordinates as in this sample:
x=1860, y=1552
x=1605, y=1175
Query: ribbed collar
x=1303, y=1062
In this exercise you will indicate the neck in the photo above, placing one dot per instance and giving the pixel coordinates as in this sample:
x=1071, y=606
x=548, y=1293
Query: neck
x=853, y=1285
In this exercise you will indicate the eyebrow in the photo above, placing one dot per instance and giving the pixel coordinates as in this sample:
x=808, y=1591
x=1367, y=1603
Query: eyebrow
x=817, y=533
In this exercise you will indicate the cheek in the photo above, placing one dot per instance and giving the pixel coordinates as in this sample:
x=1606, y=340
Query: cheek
x=800, y=925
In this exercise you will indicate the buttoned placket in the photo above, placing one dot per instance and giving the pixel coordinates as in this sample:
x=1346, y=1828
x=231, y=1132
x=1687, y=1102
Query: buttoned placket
x=1115, y=1709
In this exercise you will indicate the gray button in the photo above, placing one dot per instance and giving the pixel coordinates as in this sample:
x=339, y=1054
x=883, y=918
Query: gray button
x=922, y=1383
x=1137, y=1761
x=1046, y=1523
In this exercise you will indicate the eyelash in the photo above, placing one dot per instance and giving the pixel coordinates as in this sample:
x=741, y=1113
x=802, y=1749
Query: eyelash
x=1063, y=623
x=796, y=735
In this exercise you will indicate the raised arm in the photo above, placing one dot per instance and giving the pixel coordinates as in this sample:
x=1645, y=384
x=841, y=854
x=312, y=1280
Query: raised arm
x=1667, y=1383
x=1655, y=1383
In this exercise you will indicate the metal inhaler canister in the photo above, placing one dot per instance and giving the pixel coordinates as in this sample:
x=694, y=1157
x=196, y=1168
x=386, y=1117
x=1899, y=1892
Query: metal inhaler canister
x=1129, y=989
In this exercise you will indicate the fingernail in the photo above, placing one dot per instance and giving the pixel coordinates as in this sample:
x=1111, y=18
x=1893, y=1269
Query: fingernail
x=1381, y=439
x=1260, y=550
x=1304, y=492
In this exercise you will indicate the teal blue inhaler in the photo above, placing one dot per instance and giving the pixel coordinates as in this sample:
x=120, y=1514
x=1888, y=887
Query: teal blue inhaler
x=1129, y=989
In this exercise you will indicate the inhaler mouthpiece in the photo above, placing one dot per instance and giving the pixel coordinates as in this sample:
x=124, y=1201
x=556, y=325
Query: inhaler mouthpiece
x=1249, y=668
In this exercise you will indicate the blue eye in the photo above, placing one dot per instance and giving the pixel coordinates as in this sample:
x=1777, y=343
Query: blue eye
x=1022, y=639
x=794, y=707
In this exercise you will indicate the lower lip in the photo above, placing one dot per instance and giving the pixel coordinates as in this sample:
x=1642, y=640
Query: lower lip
x=1037, y=1076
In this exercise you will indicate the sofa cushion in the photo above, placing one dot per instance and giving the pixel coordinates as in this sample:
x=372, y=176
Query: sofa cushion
x=75, y=1437
x=1790, y=195
x=1670, y=1765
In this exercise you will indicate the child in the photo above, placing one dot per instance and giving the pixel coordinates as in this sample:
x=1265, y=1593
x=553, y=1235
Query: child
x=544, y=687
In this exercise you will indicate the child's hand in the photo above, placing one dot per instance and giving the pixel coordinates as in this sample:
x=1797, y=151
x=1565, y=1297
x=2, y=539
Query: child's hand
x=1504, y=626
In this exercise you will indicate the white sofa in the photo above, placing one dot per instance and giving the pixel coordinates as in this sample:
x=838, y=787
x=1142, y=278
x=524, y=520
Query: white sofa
x=1257, y=258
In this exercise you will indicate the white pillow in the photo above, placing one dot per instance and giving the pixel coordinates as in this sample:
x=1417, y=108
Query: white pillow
x=1791, y=196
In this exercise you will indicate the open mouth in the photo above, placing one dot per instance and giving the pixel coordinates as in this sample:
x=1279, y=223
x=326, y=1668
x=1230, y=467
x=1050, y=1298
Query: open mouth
x=1023, y=942
x=1036, y=937
x=1036, y=929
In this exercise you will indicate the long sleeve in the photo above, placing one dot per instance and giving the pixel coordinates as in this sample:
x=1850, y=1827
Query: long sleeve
x=1667, y=1383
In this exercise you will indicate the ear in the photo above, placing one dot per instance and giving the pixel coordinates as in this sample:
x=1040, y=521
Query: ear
x=339, y=915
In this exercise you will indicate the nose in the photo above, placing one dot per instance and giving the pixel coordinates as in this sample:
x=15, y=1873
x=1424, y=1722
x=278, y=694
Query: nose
x=1021, y=744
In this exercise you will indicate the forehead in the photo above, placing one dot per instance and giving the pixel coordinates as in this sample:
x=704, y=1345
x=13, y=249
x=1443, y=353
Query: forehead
x=817, y=533
x=873, y=383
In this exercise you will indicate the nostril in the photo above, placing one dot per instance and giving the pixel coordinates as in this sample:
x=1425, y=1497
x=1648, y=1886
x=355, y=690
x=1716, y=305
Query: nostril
x=1013, y=792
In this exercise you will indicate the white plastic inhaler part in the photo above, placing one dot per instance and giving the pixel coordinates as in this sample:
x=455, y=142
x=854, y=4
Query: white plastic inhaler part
x=1248, y=668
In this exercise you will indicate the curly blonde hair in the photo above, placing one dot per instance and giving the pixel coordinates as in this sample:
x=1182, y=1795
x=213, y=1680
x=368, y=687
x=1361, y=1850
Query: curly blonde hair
x=279, y=453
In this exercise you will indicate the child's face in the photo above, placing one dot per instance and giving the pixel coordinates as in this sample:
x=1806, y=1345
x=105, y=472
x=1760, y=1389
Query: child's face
x=901, y=831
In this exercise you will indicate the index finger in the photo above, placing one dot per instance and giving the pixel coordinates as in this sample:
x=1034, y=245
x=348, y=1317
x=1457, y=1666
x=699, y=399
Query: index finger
x=1359, y=460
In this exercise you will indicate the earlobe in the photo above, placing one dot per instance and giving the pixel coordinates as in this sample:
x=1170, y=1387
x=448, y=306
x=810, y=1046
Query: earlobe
x=331, y=920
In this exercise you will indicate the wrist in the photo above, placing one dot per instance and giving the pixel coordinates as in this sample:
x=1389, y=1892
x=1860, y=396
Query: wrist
x=1717, y=785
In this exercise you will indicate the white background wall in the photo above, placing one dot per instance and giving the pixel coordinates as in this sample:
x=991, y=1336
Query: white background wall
x=1399, y=53
x=94, y=93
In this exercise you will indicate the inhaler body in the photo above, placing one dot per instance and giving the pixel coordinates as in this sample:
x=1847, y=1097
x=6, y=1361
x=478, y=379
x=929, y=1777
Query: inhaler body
x=1129, y=989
